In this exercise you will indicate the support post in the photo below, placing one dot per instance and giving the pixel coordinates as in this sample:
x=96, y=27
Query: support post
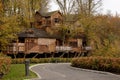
x=27, y=62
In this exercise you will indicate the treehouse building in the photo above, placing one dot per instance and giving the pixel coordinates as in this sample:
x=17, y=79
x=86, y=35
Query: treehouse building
x=38, y=40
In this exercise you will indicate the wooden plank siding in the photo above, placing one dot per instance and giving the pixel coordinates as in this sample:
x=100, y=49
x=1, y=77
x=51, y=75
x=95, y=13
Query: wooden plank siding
x=38, y=39
x=32, y=45
x=42, y=21
x=42, y=45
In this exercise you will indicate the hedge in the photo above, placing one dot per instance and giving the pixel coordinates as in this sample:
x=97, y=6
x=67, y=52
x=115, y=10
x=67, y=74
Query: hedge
x=98, y=63
x=4, y=65
x=41, y=60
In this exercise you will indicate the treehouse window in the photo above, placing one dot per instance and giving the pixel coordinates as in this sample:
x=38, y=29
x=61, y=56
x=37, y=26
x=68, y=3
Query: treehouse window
x=73, y=44
x=56, y=20
x=48, y=22
x=21, y=40
x=39, y=23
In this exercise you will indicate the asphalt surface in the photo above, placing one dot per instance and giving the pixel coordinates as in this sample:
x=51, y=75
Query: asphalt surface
x=63, y=71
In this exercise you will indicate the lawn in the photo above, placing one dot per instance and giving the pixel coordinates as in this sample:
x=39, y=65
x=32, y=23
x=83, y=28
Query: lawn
x=17, y=72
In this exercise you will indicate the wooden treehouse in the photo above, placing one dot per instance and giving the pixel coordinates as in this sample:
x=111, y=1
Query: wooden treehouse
x=39, y=40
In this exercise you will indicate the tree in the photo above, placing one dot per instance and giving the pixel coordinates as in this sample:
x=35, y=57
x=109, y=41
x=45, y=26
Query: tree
x=25, y=9
x=16, y=15
x=44, y=6
x=102, y=34
x=8, y=29
x=66, y=7
x=88, y=7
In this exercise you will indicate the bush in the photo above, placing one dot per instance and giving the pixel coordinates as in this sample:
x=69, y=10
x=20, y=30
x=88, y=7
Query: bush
x=18, y=61
x=4, y=64
x=41, y=60
x=98, y=63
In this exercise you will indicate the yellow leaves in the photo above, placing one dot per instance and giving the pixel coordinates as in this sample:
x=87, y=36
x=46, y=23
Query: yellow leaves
x=102, y=34
x=1, y=7
x=108, y=49
x=9, y=29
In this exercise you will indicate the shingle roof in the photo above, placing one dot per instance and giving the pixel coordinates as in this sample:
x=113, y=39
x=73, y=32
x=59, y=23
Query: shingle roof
x=35, y=33
x=48, y=14
x=80, y=35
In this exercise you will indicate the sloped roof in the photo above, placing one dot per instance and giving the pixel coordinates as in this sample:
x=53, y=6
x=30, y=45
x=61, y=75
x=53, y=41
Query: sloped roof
x=80, y=35
x=35, y=33
x=47, y=14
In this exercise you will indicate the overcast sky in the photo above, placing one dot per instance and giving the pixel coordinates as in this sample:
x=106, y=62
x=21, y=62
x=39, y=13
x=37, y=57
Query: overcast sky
x=108, y=5
x=112, y=5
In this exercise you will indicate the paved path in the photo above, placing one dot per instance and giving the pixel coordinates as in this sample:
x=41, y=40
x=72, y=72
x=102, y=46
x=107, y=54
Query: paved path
x=63, y=71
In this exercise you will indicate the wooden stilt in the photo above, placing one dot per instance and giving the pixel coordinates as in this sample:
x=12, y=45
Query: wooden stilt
x=62, y=54
x=36, y=55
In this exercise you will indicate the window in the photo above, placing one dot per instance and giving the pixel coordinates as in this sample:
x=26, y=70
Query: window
x=73, y=44
x=21, y=40
x=39, y=23
x=56, y=20
x=48, y=22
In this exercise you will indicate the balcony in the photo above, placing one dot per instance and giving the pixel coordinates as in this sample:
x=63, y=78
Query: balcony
x=17, y=47
x=63, y=48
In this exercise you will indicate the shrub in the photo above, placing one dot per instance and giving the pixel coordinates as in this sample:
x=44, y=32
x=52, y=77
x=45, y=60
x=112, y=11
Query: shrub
x=18, y=61
x=41, y=60
x=98, y=63
x=4, y=64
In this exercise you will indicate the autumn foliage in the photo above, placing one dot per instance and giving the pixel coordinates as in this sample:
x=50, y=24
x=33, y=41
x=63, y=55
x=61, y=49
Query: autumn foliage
x=41, y=60
x=4, y=65
x=98, y=63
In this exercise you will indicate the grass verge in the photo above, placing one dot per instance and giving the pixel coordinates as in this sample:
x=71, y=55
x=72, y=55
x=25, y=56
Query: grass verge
x=17, y=72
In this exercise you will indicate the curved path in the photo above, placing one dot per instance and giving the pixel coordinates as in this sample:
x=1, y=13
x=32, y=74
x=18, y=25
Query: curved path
x=63, y=71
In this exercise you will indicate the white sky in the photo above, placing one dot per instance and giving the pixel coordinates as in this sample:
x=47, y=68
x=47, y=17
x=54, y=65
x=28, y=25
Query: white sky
x=53, y=5
x=112, y=5
x=108, y=5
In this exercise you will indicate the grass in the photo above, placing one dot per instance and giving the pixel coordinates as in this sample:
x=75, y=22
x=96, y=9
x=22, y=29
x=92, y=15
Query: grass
x=17, y=72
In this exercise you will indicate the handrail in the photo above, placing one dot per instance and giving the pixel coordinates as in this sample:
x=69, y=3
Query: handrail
x=63, y=48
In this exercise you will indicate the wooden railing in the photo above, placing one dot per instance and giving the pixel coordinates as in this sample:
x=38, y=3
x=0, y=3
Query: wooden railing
x=63, y=48
x=21, y=47
x=18, y=47
x=68, y=48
